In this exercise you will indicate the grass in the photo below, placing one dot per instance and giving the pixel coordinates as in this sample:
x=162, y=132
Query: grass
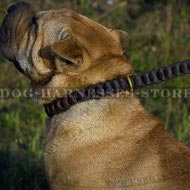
x=158, y=35
x=22, y=128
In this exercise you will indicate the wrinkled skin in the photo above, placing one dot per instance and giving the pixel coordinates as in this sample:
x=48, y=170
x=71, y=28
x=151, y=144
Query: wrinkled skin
x=98, y=144
x=49, y=50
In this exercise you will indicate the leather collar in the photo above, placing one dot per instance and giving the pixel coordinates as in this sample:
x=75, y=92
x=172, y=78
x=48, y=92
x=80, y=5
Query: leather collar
x=117, y=85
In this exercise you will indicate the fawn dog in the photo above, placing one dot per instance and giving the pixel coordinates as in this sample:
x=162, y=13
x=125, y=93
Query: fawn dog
x=110, y=143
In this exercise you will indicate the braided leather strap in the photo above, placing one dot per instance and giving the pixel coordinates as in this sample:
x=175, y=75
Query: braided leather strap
x=116, y=85
x=160, y=75
x=91, y=92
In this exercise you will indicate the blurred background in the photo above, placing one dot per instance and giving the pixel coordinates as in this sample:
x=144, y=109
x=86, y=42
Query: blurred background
x=159, y=34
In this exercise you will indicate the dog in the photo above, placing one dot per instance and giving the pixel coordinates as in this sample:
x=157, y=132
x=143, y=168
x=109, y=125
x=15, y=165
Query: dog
x=107, y=143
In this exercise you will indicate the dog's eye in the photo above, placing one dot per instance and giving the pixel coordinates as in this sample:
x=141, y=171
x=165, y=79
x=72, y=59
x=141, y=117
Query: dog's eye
x=63, y=34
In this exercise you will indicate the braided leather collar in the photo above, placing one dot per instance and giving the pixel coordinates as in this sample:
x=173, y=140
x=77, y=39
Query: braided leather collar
x=117, y=85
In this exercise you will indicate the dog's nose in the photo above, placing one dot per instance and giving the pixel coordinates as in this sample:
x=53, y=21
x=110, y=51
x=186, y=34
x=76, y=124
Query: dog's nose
x=19, y=5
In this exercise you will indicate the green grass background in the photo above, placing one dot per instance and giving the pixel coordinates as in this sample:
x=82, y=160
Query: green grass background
x=159, y=34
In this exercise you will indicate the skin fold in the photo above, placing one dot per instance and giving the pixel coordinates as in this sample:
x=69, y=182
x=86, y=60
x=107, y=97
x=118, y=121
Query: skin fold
x=111, y=143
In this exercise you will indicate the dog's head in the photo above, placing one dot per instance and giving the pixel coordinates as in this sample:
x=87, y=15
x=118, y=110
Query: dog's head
x=61, y=49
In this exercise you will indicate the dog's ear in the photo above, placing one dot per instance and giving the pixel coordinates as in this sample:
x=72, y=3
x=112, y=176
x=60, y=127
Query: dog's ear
x=69, y=49
x=123, y=38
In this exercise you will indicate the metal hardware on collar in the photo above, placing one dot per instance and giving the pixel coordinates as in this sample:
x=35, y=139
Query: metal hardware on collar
x=117, y=85
x=130, y=84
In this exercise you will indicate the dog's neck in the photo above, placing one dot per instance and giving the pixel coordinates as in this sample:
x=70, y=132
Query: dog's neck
x=92, y=119
x=97, y=91
x=102, y=70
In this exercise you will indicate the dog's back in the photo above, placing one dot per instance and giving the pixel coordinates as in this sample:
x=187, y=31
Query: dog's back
x=115, y=144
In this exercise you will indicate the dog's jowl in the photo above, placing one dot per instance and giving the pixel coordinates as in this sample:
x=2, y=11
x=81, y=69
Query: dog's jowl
x=103, y=143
